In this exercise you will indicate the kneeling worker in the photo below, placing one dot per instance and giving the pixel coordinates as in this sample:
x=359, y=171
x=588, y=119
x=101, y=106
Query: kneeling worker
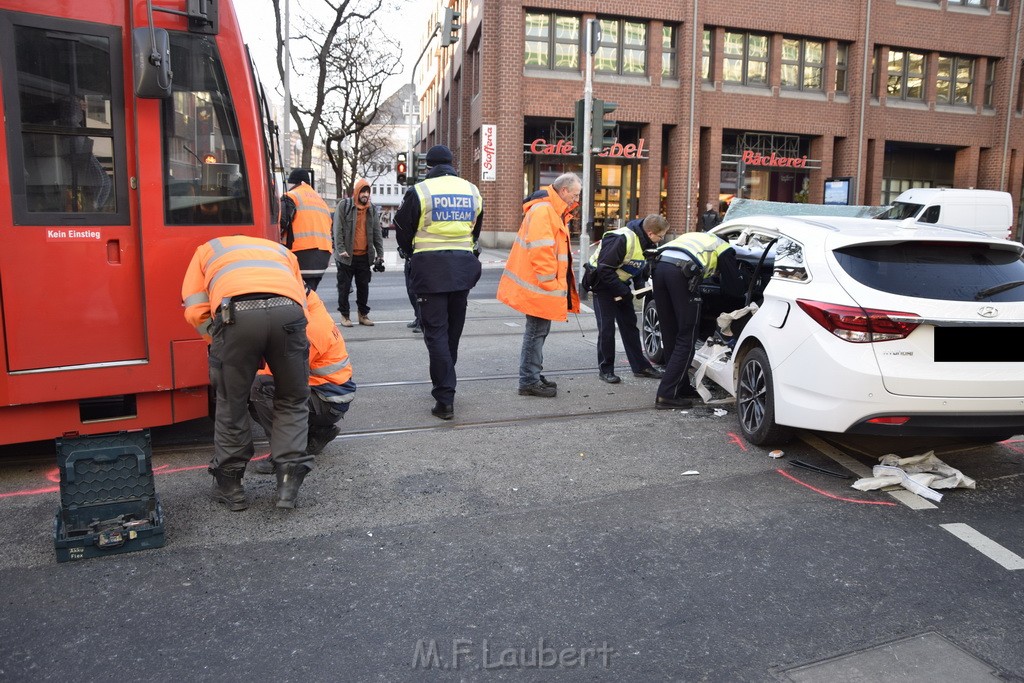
x=618, y=259
x=680, y=266
x=331, y=387
x=246, y=295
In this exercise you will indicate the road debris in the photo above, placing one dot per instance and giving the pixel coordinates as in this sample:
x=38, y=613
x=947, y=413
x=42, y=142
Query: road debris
x=689, y=473
x=920, y=474
x=721, y=412
x=775, y=454
x=814, y=468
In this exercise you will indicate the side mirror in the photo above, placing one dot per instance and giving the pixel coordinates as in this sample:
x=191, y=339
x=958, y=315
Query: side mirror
x=151, y=56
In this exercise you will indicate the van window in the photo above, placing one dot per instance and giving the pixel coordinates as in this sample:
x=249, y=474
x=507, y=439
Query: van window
x=900, y=210
x=930, y=215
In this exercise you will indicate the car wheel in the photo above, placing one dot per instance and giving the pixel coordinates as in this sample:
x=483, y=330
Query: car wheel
x=755, y=402
x=651, y=333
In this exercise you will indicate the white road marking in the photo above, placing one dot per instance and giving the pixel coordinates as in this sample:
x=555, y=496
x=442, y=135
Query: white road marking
x=986, y=546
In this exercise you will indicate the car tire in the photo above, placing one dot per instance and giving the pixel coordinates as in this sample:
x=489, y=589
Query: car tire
x=755, y=402
x=650, y=333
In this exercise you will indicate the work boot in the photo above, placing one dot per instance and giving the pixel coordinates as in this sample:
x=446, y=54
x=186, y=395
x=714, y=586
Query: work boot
x=264, y=466
x=365, y=320
x=538, y=389
x=289, y=479
x=319, y=437
x=228, y=491
x=545, y=382
x=445, y=411
x=345, y=322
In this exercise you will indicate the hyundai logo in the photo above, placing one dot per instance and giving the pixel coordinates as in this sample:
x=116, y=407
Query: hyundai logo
x=988, y=311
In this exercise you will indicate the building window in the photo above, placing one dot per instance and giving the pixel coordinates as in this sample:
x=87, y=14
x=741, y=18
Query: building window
x=842, y=66
x=802, y=64
x=705, y=62
x=906, y=75
x=876, y=59
x=623, y=47
x=954, y=80
x=745, y=59
x=552, y=41
x=1003, y=5
x=668, y=51
x=990, y=82
x=969, y=3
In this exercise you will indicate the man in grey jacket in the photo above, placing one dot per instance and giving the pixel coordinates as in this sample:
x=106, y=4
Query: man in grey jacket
x=358, y=242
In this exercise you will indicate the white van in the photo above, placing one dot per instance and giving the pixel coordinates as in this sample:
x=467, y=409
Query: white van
x=987, y=211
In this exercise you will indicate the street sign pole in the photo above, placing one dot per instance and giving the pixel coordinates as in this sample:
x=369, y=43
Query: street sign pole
x=586, y=201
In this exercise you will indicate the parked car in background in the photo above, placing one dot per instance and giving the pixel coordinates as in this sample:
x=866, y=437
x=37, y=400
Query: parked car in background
x=987, y=211
x=871, y=327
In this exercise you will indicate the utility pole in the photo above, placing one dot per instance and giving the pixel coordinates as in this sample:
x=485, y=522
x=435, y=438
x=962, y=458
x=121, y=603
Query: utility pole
x=586, y=200
x=287, y=93
x=412, y=93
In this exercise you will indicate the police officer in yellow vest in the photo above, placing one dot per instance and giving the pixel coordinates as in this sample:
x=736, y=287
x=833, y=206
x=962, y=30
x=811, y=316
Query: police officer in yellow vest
x=439, y=225
x=619, y=259
x=680, y=266
x=306, y=227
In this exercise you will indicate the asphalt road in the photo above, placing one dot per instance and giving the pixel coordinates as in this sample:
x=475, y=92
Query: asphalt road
x=586, y=537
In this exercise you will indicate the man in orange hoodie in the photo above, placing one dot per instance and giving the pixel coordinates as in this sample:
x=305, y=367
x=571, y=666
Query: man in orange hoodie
x=358, y=242
x=538, y=279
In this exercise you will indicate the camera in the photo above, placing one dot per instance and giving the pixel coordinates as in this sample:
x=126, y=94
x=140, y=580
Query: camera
x=378, y=266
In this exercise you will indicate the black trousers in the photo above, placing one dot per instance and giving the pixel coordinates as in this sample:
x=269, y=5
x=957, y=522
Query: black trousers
x=412, y=294
x=442, y=317
x=313, y=263
x=360, y=271
x=678, y=314
x=610, y=313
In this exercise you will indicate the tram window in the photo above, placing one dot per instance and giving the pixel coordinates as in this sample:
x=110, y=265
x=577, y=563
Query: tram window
x=204, y=169
x=68, y=127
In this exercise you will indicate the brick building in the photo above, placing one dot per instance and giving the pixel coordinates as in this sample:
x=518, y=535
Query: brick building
x=759, y=100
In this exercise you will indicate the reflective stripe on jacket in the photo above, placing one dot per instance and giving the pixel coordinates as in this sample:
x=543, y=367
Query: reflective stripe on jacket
x=311, y=226
x=702, y=246
x=635, y=259
x=328, y=357
x=538, y=280
x=449, y=207
x=236, y=265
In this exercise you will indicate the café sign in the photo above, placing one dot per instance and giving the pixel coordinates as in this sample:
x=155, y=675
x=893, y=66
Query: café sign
x=565, y=148
x=752, y=158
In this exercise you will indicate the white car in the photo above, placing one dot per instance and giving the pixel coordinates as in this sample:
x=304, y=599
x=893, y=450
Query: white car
x=870, y=327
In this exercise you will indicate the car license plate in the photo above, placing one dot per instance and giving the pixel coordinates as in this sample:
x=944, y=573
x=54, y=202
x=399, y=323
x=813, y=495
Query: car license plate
x=979, y=344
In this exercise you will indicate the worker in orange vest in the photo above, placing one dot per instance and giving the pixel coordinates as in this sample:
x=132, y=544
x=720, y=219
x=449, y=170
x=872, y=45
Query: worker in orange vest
x=331, y=388
x=538, y=279
x=306, y=227
x=246, y=296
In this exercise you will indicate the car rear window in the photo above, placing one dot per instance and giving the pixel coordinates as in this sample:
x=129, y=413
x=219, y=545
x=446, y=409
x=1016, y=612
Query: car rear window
x=953, y=271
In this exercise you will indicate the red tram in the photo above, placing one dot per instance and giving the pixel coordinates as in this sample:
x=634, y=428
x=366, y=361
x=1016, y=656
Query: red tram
x=134, y=131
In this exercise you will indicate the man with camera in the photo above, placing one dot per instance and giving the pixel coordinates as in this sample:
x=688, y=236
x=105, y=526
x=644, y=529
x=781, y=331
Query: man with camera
x=358, y=242
x=680, y=266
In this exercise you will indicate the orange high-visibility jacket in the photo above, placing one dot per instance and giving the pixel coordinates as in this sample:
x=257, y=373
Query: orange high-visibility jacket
x=328, y=356
x=311, y=226
x=236, y=265
x=538, y=280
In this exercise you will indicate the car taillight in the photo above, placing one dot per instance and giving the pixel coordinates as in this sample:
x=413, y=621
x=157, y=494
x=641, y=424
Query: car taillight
x=860, y=325
x=896, y=420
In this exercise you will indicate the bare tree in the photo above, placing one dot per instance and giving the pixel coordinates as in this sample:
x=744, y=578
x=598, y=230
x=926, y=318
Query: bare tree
x=319, y=39
x=352, y=125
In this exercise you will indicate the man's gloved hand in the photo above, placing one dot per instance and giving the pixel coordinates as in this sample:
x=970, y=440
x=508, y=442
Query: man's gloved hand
x=378, y=266
x=476, y=250
x=402, y=254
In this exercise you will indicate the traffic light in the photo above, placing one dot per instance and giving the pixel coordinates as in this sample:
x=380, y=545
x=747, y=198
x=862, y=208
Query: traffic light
x=603, y=132
x=401, y=168
x=450, y=27
x=578, y=125
x=419, y=166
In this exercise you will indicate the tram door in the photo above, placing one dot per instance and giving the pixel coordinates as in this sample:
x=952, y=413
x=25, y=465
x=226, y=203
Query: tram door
x=70, y=267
